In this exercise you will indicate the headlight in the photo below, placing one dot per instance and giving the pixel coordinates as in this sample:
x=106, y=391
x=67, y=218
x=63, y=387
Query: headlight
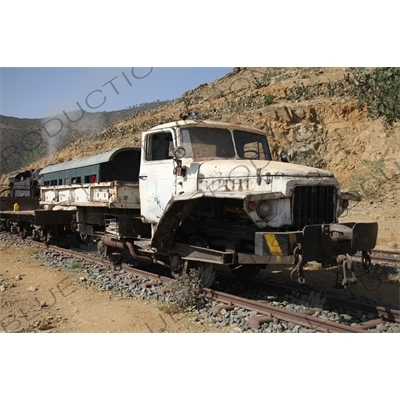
x=264, y=209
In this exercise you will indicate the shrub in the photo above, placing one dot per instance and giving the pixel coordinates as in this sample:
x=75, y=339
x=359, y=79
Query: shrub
x=298, y=91
x=186, y=289
x=259, y=82
x=267, y=99
x=378, y=90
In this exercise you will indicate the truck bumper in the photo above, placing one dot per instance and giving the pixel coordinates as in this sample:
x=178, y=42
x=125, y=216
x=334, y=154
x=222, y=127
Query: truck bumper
x=319, y=243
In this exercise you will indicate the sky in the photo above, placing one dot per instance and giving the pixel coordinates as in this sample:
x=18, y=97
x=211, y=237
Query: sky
x=44, y=92
x=284, y=35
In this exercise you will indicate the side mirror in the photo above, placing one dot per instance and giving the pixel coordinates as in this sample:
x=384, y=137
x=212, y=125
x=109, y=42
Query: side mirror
x=179, y=153
x=285, y=158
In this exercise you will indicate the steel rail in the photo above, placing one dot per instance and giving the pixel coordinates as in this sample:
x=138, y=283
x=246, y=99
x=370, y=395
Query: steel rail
x=381, y=255
x=284, y=314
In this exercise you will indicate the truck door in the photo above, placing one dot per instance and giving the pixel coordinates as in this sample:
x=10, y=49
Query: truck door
x=156, y=178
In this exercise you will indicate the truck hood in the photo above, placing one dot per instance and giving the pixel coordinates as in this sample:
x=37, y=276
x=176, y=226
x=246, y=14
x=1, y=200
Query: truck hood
x=238, y=169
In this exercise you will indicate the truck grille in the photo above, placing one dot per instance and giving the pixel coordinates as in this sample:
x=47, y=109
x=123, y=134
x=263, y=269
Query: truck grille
x=313, y=205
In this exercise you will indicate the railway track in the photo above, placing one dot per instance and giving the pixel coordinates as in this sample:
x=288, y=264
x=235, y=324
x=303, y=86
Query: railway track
x=263, y=312
x=304, y=318
x=384, y=256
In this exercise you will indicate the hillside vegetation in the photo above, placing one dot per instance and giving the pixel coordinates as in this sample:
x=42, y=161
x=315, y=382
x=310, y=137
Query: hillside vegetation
x=343, y=120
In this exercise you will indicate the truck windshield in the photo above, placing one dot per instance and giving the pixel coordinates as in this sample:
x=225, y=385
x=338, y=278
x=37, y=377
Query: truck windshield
x=211, y=142
x=207, y=142
x=251, y=145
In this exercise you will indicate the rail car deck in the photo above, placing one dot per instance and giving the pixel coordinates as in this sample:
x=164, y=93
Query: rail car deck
x=40, y=217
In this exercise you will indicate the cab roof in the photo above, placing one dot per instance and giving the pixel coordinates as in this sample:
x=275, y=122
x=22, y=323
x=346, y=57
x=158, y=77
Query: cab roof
x=211, y=124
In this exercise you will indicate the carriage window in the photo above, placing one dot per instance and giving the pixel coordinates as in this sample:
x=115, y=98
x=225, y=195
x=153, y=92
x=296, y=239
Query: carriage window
x=159, y=146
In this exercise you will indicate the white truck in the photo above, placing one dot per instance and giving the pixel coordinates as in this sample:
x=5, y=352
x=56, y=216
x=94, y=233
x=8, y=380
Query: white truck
x=208, y=192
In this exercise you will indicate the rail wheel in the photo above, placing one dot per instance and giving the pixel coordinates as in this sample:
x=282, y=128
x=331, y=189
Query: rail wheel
x=246, y=271
x=115, y=256
x=178, y=266
x=23, y=232
x=111, y=254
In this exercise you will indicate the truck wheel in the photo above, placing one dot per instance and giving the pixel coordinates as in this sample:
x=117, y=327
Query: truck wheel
x=198, y=241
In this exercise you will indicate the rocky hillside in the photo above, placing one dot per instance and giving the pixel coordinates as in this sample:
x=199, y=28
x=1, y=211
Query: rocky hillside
x=25, y=140
x=313, y=114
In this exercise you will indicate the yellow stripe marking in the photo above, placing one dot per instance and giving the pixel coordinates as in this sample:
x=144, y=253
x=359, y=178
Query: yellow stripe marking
x=292, y=240
x=273, y=244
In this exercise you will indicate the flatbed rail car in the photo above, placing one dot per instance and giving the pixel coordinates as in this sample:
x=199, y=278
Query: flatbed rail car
x=21, y=212
x=47, y=223
x=208, y=192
